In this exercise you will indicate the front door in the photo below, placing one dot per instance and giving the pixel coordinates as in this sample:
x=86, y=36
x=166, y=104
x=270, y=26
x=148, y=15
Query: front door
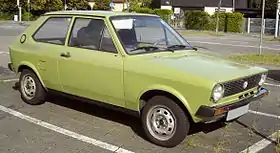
x=91, y=67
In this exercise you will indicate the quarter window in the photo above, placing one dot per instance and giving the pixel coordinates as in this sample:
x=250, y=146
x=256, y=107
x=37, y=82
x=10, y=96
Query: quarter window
x=54, y=30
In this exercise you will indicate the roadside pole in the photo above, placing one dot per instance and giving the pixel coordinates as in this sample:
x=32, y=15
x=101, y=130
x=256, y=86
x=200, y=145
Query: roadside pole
x=262, y=27
x=19, y=11
x=28, y=6
x=233, y=5
x=218, y=19
x=277, y=20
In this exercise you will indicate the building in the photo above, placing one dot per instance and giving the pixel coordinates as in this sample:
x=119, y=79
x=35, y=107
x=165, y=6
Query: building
x=119, y=5
x=250, y=8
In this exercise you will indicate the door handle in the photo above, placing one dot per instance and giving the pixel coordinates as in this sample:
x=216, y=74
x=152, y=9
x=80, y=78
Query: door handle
x=65, y=54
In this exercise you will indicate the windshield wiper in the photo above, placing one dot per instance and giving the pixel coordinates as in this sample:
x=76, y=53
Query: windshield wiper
x=148, y=48
x=181, y=47
x=145, y=48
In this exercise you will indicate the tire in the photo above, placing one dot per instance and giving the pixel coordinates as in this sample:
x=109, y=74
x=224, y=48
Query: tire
x=29, y=96
x=173, y=113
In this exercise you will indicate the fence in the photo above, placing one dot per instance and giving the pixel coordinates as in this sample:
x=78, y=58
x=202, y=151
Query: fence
x=253, y=25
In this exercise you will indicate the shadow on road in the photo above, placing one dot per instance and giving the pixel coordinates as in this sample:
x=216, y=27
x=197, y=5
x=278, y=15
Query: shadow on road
x=256, y=132
x=117, y=116
x=274, y=74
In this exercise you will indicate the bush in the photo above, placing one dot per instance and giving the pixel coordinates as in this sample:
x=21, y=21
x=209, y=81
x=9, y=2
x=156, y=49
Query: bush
x=197, y=20
x=6, y=16
x=222, y=21
x=200, y=20
x=143, y=10
x=234, y=22
x=163, y=13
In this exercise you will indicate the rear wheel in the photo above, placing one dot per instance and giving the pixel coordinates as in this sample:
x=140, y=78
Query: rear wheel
x=164, y=122
x=31, y=89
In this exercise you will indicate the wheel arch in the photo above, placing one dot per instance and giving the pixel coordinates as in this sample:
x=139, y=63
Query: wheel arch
x=26, y=65
x=172, y=94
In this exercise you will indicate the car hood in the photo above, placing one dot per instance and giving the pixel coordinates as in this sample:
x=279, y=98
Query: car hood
x=205, y=66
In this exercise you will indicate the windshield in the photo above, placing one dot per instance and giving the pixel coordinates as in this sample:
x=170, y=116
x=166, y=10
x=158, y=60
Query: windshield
x=146, y=34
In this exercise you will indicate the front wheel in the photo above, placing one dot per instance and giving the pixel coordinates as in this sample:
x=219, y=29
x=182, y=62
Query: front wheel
x=164, y=122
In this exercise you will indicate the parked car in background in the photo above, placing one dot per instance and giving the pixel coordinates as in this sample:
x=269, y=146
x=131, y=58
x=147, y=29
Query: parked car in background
x=134, y=62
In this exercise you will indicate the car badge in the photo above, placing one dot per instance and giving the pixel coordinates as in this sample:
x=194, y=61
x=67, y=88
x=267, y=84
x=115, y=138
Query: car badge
x=245, y=84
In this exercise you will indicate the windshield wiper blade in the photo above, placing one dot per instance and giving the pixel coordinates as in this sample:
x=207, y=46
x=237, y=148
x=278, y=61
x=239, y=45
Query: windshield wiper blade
x=181, y=47
x=146, y=48
x=177, y=46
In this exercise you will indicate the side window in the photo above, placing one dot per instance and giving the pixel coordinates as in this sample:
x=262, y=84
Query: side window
x=87, y=33
x=107, y=44
x=54, y=30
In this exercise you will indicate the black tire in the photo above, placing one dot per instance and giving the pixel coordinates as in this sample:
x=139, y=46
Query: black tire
x=40, y=93
x=182, y=124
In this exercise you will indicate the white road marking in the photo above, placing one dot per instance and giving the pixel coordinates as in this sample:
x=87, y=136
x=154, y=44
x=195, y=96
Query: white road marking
x=74, y=135
x=9, y=80
x=274, y=85
x=264, y=114
x=234, y=45
x=261, y=144
x=7, y=53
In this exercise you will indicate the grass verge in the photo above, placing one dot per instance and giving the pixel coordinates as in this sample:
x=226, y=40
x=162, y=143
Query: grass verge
x=269, y=59
x=200, y=33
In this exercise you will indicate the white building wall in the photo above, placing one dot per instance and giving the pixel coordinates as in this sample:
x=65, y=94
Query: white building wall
x=119, y=7
x=211, y=10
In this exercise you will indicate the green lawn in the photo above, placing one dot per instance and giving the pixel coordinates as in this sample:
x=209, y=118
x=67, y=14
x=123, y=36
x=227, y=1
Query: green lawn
x=270, y=59
x=201, y=33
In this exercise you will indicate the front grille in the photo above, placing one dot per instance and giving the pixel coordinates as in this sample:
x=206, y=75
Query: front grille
x=236, y=86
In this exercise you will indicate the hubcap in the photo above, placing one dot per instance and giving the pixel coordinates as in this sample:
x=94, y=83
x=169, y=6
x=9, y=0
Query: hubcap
x=161, y=123
x=28, y=87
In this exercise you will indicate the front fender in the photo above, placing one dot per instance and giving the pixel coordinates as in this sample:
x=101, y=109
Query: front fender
x=170, y=90
x=33, y=68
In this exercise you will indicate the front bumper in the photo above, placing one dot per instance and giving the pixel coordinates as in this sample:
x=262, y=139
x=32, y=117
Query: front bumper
x=212, y=114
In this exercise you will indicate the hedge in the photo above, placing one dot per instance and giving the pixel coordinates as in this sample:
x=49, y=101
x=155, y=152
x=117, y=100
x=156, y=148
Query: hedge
x=163, y=13
x=6, y=16
x=196, y=20
x=200, y=20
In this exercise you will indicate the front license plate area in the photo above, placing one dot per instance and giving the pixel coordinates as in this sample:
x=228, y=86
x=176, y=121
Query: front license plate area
x=232, y=114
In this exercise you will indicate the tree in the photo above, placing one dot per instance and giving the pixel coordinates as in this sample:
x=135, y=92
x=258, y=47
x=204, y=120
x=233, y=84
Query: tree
x=77, y=4
x=46, y=5
x=139, y=3
x=10, y=5
x=271, y=4
x=102, y=4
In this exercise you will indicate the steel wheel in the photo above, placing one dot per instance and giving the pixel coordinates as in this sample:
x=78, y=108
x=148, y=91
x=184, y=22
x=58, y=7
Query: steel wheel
x=161, y=122
x=28, y=87
x=31, y=89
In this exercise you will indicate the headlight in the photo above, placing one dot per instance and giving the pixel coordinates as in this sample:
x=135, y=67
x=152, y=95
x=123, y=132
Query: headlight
x=218, y=93
x=262, y=80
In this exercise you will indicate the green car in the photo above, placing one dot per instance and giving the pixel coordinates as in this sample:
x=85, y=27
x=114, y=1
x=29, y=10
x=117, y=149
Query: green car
x=136, y=63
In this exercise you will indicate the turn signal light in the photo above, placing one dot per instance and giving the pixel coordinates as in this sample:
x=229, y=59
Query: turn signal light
x=221, y=110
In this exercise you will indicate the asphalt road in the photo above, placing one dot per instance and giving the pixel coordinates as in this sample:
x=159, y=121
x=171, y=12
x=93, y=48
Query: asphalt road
x=64, y=125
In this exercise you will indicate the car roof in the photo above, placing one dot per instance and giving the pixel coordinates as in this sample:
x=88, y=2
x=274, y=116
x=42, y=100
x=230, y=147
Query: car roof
x=102, y=13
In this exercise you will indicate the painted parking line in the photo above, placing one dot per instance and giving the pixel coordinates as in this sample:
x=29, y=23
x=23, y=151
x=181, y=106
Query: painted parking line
x=264, y=114
x=270, y=84
x=68, y=133
x=234, y=45
x=9, y=80
x=4, y=53
x=261, y=144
